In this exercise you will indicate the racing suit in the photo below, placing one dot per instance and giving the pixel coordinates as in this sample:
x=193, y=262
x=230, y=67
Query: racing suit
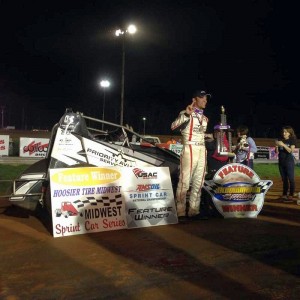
x=192, y=160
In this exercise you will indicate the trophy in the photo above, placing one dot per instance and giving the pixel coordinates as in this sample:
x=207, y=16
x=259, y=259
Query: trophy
x=222, y=132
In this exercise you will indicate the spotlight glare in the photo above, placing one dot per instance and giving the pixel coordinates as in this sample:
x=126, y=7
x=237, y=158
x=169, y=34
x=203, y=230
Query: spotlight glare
x=131, y=29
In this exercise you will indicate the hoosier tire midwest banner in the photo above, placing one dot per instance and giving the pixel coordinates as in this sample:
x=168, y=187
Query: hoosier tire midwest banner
x=94, y=199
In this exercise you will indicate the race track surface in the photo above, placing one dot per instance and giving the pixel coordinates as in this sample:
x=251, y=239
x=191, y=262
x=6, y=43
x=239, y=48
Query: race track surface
x=213, y=259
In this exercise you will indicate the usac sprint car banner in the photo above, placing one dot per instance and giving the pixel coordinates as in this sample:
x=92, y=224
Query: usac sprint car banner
x=4, y=145
x=33, y=147
x=94, y=199
x=237, y=191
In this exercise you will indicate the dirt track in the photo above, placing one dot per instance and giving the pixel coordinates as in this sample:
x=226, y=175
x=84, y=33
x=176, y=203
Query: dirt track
x=213, y=259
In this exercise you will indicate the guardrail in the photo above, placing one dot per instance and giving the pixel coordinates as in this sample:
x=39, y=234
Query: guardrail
x=14, y=160
x=9, y=160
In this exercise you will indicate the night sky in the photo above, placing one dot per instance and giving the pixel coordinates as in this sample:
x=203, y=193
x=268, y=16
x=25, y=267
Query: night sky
x=245, y=53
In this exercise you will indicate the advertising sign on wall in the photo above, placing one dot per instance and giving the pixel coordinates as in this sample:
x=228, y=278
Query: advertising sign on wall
x=4, y=145
x=95, y=199
x=262, y=152
x=33, y=147
x=274, y=155
x=177, y=148
x=237, y=191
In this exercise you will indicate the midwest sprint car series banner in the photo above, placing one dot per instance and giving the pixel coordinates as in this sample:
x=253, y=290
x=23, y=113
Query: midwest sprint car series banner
x=94, y=199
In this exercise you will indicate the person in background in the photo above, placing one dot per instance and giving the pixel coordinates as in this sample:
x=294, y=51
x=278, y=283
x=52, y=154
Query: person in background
x=245, y=148
x=192, y=123
x=171, y=141
x=285, y=146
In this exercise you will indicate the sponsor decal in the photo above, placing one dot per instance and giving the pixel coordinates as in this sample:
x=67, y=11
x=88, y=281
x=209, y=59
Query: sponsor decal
x=237, y=191
x=65, y=141
x=111, y=158
x=139, y=173
x=147, y=187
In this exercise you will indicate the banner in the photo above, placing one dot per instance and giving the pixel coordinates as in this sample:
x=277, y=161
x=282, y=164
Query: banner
x=274, y=155
x=262, y=152
x=237, y=191
x=95, y=199
x=33, y=147
x=4, y=145
x=177, y=148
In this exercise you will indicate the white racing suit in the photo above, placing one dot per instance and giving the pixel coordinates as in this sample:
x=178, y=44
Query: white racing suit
x=192, y=160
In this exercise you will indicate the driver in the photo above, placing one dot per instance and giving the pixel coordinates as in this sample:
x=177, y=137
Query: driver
x=192, y=123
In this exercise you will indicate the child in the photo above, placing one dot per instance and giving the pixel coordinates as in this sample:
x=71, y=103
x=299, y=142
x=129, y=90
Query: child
x=245, y=148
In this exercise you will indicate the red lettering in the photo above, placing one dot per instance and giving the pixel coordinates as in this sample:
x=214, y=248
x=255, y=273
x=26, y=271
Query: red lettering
x=235, y=208
x=221, y=175
x=230, y=169
x=90, y=226
x=226, y=171
x=35, y=147
x=113, y=224
x=60, y=229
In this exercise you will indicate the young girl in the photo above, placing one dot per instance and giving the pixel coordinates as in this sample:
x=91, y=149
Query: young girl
x=285, y=147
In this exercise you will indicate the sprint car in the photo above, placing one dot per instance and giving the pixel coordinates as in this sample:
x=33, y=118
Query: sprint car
x=77, y=141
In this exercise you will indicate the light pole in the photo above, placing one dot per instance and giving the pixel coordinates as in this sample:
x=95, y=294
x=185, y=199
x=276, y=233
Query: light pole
x=104, y=84
x=131, y=29
x=144, y=119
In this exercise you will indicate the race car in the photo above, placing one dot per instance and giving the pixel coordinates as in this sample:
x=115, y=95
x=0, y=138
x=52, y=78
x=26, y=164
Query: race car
x=77, y=141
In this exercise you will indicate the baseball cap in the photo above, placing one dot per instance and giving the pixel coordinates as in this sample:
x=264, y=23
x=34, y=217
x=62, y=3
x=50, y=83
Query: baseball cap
x=201, y=94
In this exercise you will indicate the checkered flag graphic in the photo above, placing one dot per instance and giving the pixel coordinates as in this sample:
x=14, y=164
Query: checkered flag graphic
x=106, y=201
x=210, y=186
x=264, y=185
